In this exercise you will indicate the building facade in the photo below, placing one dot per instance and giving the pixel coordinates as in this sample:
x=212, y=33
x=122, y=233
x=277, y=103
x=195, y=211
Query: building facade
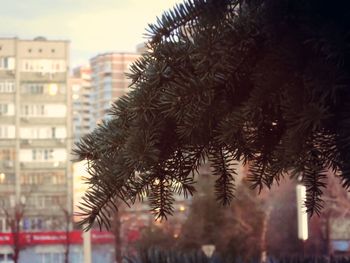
x=35, y=135
x=108, y=81
x=80, y=85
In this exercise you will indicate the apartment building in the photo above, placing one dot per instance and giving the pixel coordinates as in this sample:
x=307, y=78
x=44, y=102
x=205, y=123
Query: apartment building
x=80, y=85
x=35, y=133
x=108, y=81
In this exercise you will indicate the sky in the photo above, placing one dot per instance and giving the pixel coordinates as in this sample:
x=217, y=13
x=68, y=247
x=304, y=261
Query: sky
x=91, y=26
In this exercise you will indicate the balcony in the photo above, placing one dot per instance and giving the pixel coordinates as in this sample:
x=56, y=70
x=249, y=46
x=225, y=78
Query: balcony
x=7, y=74
x=43, y=76
x=7, y=165
x=45, y=98
x=6, y=119
x=42, y=120
x=43, y=188
x=51, y=142
x=7, y=142
x=7, y=188
x=8, y=97
x=43, y=165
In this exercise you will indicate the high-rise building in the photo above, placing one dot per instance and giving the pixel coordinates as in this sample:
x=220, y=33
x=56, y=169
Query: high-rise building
x=35, y=132
x=80, y=85
x=108, y=81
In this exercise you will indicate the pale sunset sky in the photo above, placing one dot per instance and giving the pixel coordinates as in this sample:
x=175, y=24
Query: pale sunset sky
x=92, y=26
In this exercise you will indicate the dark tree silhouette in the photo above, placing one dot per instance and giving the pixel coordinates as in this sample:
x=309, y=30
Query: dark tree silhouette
x=258, y=81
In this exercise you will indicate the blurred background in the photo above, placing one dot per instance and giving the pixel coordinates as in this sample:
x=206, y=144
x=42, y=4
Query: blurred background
x=62, y=64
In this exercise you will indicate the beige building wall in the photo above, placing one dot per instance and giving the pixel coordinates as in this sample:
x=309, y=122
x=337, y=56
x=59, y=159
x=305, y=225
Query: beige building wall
x=35, y=131
x=108, y=81
x=80, y=86
x=79, y=187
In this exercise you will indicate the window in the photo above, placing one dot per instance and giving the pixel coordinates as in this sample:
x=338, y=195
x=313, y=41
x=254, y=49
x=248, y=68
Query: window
x=40, y=50
x=31, y=178
x=42, y=154
x=36, y=201
x=6, y=258
x=54, y=156
x=46, y=154
x=33, y=88
x=3, y=109
x=7, y=131
x=7, y=109
x=7, y=86
x=41, y=88
x=32, y=223
x=52, y=51
x=44, y=110
x=51, y=257
x=33, y=110
x=43, y=132
x=44, y=65
x=7, y=63
x=29, y=50
x=58, y=178
x=43, y=178
x=7, y=154
x=7, y=178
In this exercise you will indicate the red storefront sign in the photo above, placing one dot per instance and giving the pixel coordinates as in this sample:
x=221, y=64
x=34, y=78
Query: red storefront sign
x=53, y=238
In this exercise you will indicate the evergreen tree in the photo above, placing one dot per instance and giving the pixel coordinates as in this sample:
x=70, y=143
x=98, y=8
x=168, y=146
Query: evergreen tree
x=258, y=81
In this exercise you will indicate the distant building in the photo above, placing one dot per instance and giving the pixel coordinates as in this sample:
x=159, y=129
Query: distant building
x=108, y=81
x=35, y=145
x=80, y=85
x=35, y=132
x=35, y=129
x=141, y=48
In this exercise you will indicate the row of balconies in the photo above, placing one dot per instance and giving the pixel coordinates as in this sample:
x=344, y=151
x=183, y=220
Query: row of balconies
x=43, y=98
x=8, y=165
x=35, y=76
x=29, y=143
x=5, y=119
x=43, y=120
x=43, y=165
x=7, y=143
x=42, y=188
x=25, y=143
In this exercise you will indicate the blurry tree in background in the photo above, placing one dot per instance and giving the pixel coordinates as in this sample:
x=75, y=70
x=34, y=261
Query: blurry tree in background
x=258, y=81
x=14, y=214
x=205, y=220
x=282, y=239
x=235, y=231
x=243, y=225
x=154, y=236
